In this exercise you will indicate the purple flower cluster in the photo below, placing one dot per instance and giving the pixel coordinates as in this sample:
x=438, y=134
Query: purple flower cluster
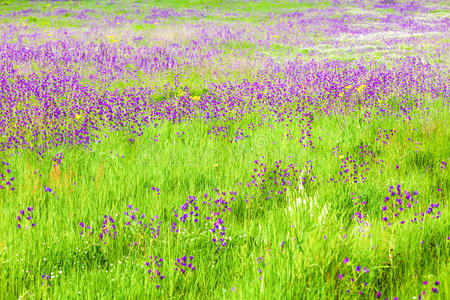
x=358, y=278
x=156, y=190
x=354, y=170
x=405, y=201
x=157, y=15
x=108, y=228
x=46, y=279
x=432, y=210
x=359, y=217
x=58, y=158
x=137, y=224
x=155, y=273
x=384, y=135
x=189, y=211
x=219, y=230
x=182, y=264
x=396, y=205
x=273, y=181
x=133, y=110
x=107, y=231
x=261, y=264
x=217, y=208
x=132, y=218
x=402, y=6
x=49, y=190
x=218, y=131
x=433, y=288
x=6, y=177
x=85, y=229
x=25, y=218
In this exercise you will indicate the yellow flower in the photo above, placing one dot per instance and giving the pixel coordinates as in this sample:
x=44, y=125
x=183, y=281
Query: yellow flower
x=341, y=94
x=360, y=88
x=215, y=165
x=276, y=36
x=349, y=86
x=77, y=116
x=196, y=98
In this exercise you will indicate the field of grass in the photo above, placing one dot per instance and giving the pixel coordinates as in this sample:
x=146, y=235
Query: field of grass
x=224, y=149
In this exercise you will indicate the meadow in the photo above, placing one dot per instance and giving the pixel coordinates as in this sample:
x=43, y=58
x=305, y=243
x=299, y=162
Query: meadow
x=224, y=149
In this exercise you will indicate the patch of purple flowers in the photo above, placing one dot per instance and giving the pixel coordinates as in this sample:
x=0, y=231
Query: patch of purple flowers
x=25, y=218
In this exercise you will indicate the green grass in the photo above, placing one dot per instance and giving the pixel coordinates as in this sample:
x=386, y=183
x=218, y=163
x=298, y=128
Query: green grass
x=195, y=164
x=243, y=6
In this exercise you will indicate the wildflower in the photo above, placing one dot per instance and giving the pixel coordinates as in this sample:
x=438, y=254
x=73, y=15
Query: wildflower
x=360, y=88
x=182, y=265
x=155, y=274
x=25, y=219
